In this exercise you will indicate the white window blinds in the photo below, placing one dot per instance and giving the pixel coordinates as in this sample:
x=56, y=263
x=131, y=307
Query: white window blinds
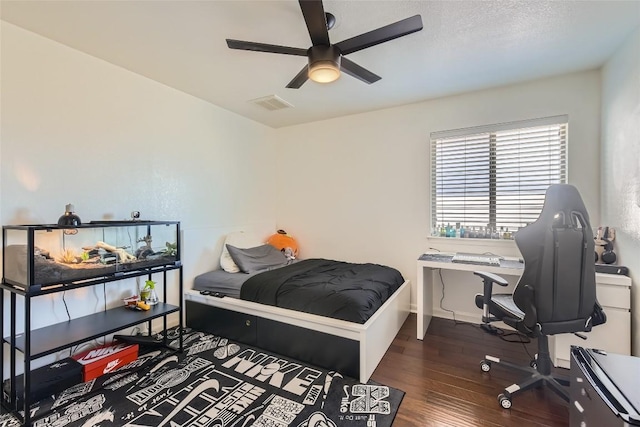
x=496, y=175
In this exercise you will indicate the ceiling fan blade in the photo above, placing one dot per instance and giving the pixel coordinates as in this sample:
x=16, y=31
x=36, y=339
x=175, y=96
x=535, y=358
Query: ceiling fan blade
x=299, y=79
x=316, y=20
x=263, y=47
x=381, y=35
x=354, y=70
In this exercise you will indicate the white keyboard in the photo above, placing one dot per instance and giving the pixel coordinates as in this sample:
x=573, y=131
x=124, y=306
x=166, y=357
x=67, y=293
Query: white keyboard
x=480, y=259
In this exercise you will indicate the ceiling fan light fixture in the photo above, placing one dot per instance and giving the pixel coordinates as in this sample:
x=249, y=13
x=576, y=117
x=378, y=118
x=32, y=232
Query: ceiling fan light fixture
x=324, y=64
x=324, y=72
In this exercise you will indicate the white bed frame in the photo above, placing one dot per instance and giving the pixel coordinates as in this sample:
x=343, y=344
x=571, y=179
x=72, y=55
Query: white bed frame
x=374, y=337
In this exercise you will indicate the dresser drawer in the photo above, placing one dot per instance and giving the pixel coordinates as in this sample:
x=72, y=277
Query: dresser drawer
x=614, y=336
x=614, y=296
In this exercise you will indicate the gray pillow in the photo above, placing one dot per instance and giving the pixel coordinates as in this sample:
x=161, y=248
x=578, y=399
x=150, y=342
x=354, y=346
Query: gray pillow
x=258, y=258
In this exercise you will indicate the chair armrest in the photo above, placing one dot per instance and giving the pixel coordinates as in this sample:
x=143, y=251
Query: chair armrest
x=493, y=278
x=488, y=280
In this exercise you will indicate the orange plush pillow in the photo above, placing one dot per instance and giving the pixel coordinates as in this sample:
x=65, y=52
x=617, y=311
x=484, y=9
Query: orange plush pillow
x=285, y=243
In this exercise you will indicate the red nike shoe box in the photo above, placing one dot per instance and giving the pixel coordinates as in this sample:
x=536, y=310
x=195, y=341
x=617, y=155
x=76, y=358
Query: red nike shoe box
x=102, y=360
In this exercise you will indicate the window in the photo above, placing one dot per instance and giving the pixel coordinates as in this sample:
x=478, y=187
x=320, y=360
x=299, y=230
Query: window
x=496, y=175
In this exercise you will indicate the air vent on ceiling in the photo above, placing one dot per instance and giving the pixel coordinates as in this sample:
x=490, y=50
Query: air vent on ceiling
x=271, y=103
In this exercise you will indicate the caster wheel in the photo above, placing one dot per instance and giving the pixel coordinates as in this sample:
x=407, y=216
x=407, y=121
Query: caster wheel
x=533, y=364
x=485, y=366
x=504, y=401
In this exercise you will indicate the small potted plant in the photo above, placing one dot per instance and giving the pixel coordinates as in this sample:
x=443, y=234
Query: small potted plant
x=148, y=293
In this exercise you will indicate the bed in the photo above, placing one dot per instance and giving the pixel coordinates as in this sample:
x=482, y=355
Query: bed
x=244, y=307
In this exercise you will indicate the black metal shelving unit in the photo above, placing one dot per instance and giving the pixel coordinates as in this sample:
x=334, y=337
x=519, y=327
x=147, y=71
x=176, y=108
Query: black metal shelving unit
x=48, y=340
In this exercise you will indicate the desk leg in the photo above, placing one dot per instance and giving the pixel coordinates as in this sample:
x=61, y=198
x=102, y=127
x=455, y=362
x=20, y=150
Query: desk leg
x=424, y=291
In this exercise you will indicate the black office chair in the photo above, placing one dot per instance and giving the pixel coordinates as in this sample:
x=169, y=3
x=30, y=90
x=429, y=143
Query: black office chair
x=557, y=291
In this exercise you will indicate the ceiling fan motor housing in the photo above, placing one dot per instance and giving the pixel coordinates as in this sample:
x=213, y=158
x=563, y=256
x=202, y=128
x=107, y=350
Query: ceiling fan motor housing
x=324, y=63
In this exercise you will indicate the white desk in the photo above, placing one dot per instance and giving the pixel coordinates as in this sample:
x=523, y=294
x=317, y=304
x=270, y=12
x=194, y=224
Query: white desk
x=424, y=288
x=613, y=292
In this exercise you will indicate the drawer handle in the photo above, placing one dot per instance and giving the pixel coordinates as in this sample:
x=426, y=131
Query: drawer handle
x=247, y=322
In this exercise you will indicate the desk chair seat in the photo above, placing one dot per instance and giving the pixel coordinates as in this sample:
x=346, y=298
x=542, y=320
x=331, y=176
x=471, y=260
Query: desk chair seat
x=503, y=304
x=556, y=293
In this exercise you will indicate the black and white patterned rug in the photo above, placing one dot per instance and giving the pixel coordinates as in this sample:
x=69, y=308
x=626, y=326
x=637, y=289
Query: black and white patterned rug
x=217, y=383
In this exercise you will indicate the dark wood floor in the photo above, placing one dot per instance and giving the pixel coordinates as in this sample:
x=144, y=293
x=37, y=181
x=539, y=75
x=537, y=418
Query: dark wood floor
x=444, y=385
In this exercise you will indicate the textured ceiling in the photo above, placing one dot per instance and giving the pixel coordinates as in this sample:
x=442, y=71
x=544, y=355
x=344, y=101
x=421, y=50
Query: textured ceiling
x=464, y=46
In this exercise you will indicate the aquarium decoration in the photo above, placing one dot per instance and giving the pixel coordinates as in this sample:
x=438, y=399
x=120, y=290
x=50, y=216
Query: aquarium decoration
x=68, y=256
x=148, y=293
x=172, y=249
x=144, y=251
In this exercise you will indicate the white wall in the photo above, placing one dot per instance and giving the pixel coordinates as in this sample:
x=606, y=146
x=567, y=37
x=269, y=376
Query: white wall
x=357, y=188
x=76, y=129
x=620, y=161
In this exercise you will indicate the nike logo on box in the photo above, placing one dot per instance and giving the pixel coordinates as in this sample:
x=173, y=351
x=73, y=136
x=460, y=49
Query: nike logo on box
x=111, y=366
x=101, y=353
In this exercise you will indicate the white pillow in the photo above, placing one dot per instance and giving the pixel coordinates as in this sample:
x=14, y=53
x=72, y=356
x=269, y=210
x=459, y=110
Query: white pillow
x=239, y=239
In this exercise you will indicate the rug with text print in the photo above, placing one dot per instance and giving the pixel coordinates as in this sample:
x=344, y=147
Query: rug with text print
x=215, y=382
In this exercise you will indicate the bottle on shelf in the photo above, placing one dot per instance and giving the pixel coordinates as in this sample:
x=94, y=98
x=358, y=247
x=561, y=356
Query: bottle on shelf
x=506, y=235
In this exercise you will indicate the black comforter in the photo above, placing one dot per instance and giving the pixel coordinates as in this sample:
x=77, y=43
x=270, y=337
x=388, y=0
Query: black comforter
x=341, y=290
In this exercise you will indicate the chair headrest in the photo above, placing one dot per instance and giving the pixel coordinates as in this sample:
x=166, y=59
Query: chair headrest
x=563, y=207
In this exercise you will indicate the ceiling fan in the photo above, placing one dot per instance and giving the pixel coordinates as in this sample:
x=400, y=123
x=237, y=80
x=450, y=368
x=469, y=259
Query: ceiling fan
x=326, y=60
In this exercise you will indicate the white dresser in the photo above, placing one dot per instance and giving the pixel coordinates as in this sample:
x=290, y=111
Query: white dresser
x=614, y=295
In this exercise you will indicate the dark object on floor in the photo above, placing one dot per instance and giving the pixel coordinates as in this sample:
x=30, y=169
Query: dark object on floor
x=47, y=380
x=557, y=291
x=149, y=340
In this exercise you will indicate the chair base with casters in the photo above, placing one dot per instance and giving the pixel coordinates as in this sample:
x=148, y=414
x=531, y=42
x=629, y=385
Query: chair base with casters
x=539, y=369
x=539, y=374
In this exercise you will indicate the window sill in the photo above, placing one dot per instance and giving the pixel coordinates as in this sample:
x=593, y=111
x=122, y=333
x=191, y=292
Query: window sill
x=503, y=247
